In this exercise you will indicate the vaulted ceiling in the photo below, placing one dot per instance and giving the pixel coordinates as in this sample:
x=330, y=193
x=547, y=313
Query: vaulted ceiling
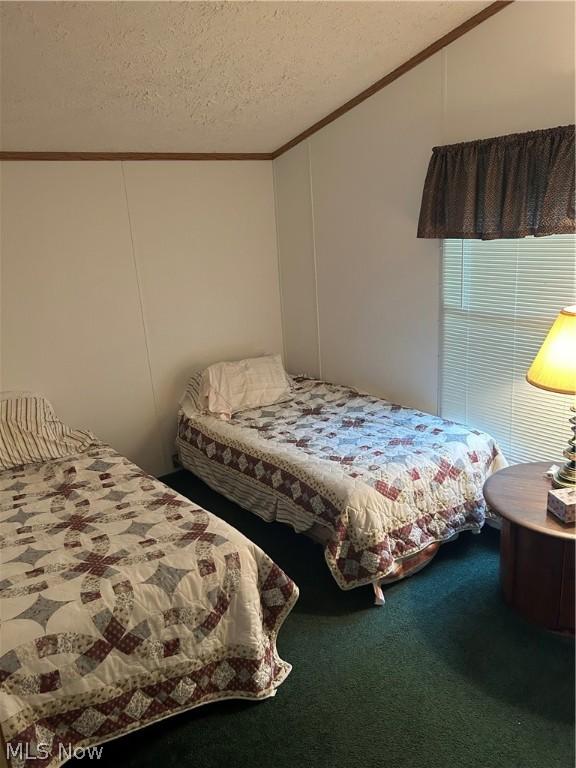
x=197, y=76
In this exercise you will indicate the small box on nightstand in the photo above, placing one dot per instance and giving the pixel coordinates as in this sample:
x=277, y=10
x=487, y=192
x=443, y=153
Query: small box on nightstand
x=562, y=504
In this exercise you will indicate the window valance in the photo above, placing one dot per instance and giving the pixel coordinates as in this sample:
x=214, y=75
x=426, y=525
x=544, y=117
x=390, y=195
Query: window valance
x=508, y=186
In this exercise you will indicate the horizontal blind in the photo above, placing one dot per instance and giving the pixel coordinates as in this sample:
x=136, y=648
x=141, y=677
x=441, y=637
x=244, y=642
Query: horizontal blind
x=499, y=299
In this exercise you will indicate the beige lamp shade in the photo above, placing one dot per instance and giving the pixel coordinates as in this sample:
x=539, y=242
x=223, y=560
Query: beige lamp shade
x=554, y=367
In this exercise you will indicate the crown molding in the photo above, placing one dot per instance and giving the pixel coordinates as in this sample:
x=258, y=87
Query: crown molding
x=135, y=155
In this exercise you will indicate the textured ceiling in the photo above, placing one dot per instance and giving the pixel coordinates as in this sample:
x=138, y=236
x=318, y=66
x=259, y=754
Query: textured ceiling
x=197, y=76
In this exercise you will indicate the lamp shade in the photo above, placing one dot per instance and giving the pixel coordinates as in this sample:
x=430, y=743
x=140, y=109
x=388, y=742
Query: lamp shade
x=554, y=367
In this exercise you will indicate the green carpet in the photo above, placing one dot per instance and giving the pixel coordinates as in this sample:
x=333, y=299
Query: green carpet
x=444, y=676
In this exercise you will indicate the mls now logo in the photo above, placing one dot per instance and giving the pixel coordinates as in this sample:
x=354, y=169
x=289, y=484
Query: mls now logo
x=22, y=751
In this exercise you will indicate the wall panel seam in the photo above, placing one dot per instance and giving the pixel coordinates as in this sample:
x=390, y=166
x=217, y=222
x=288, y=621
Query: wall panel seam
x=1, y=286
x=314, y=255
x=444, y=58
x=279, y=261
x=165, y=452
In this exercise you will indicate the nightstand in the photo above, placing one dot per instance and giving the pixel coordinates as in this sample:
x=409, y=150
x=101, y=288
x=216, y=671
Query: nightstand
x=536, y=549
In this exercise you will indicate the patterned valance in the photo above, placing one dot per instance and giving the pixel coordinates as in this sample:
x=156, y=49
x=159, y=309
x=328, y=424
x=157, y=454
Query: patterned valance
x=508, y=186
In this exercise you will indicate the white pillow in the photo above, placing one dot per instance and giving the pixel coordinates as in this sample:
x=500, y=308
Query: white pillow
x=30, y=431
x=227, y=388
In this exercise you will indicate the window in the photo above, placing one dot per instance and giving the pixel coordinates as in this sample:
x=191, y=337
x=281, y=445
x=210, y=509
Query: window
x=499, y=298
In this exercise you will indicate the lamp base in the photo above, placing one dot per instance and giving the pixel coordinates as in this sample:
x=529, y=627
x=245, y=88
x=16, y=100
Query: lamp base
x=565, y=477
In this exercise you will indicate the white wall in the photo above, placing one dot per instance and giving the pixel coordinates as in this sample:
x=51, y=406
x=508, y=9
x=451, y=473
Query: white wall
x=118, y=279
x=377, y=296
x=294, y=221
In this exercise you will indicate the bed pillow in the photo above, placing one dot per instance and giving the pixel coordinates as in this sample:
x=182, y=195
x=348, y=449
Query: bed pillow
x=227, y=388
x=190, y=400
x=30, y=431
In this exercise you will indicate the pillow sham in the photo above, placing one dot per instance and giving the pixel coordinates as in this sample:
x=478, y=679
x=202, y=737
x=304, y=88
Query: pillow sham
x=190, y=400
x=227, y=388
x=30, y=432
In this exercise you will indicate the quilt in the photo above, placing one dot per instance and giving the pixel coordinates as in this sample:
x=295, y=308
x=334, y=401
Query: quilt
x=383, y=481
x=123, y=603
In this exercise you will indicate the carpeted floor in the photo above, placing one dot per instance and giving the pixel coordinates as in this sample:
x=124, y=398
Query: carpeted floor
x=444, y=676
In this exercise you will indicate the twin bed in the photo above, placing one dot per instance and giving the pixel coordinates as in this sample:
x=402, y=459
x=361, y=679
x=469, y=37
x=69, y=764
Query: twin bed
x=123, y=603
x=379, y=485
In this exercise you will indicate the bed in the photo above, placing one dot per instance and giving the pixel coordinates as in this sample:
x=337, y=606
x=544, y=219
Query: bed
x=123, y=603
x=380, y=485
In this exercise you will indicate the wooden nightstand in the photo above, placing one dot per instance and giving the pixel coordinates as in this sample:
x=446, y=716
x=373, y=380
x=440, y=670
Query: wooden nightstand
x=536, y=549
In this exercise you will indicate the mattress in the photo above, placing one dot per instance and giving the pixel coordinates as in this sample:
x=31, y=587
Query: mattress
x=382, y=481
x=122, y=603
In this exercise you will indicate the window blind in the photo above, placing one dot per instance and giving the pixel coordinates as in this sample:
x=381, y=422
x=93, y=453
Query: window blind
x=499, y=299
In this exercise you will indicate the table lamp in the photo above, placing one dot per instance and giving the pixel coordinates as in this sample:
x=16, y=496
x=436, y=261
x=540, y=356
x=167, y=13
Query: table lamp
x=554, y=369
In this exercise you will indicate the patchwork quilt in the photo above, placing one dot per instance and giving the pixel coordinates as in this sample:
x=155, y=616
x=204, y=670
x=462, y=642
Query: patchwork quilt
x=383, y=481
x=123, y=603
